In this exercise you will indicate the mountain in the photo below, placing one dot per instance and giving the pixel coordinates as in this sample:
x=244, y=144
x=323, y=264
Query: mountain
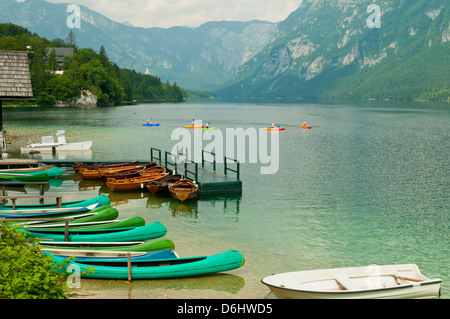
x=196, y=58
x=327, y=49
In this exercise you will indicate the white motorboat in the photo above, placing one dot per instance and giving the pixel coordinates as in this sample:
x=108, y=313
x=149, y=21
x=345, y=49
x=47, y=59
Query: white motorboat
x=49, y=145
x=369, y=282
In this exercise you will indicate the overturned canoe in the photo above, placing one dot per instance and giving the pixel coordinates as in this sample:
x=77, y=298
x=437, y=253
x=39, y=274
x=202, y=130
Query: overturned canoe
x=131, y=246
x=101, y=199
x=151, y=231
x=47, y=212
x=118, y=256
x=134, y=221
x=49, y=170
x=162, y=268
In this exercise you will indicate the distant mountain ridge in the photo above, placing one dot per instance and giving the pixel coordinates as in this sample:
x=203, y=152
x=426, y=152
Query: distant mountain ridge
x=196, y=58
x=326, y=49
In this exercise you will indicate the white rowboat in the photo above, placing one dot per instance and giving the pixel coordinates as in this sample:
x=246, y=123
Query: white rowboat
x=48, y=144
x=369, y=282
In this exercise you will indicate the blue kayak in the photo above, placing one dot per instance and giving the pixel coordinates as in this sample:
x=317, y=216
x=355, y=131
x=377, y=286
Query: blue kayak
x=150, y=124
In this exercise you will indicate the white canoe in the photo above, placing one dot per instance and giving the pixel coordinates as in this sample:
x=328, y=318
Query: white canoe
x=369, y=282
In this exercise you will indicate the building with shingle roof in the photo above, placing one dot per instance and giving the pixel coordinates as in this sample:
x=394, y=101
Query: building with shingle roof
x=15, y=81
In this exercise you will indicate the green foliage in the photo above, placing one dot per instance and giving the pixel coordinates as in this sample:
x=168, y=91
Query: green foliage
x=85, y=70
x=25, y=273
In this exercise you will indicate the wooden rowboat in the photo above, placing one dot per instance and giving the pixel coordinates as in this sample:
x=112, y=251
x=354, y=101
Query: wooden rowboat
x=78, y=165
x=122, y=174
x=153, y=170
x=183, y=190
x=162, y=268
x=87, y=173
x=370, y=282
x=134, y=183
x=163, y=184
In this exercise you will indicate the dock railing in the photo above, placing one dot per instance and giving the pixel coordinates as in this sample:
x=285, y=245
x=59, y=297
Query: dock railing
x=154, y=158
x=214, y=162
x=227, y=169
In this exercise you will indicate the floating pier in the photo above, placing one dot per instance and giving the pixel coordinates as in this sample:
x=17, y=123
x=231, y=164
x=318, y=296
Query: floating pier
x=209, y=180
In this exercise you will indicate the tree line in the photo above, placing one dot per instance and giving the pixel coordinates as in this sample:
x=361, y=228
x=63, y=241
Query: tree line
x=85, y=70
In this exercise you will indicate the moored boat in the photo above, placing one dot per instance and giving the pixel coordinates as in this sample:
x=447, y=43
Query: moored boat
x=87, y=173
x=163, y=184
x=153, y=170
x=134, y=183
x=370, y=282
x=134, y=221
x=183, y=190
x=162, y=268
x=78, y=165
x=47, y=212
x=48, y=144
x=151, y=231
x=49, y=170
x=103, y=255
x=122, y=174
x=130, y=246
x=101, y=199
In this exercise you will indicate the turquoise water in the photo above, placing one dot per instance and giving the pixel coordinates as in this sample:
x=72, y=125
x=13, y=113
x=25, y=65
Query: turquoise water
x=368, y=184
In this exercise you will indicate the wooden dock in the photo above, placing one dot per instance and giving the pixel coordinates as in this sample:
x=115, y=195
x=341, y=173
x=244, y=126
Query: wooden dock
x=209, y=181
x=9, y=163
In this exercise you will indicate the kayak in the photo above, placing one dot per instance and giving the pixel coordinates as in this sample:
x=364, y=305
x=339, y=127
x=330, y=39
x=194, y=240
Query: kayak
x=195, y=126
x=150, y=124
x=305, y=127
x=101, y=199
x=151, y=231
x=210, y=128
x=161, y=268
x=122, y=256
x=275, y=128
x=131, y=246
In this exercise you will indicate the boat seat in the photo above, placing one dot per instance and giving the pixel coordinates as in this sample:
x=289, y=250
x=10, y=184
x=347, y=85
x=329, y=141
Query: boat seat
x=346, y=282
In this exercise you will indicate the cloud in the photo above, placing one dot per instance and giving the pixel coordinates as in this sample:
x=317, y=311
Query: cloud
x=168, y=13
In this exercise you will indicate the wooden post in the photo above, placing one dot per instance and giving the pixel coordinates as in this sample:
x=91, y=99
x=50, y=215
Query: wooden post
x=66, y=230
x=129, y=265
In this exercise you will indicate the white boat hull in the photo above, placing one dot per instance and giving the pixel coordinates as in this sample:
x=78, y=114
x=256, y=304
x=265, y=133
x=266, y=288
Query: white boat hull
x=78, y=146
x=371, y=282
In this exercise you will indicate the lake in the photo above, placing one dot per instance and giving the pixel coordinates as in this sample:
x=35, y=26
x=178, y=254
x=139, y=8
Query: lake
x=368, y=184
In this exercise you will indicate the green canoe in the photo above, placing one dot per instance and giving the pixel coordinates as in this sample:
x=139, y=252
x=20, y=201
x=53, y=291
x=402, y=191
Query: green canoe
x=102, y=213
x=49, y=170
x=162, y=268
x=134, y=221
x=148, y=245
x=101, y=199
x=151, y=231
x=24, y=177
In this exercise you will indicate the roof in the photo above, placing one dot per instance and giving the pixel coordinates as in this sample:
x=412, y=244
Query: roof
x=15, y=81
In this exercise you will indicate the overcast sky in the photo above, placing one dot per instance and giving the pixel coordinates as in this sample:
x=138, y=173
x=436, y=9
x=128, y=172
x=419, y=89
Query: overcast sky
x=168, y=13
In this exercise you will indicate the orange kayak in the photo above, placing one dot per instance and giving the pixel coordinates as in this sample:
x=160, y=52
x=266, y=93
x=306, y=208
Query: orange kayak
x=305, y=127
x=195, y=126
x=275, y=128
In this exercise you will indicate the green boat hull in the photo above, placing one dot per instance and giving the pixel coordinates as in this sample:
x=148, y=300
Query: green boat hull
x=25, y=177
x=134, y=221
x=144, y=246
x=52, y=171
x=103, y=213
x=163, y=268
x=101, y=199
x=151, y=231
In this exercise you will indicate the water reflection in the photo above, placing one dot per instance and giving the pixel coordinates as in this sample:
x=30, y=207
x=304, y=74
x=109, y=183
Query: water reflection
x=221, y=282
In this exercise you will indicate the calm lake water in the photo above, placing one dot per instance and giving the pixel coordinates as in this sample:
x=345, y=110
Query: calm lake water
x=368, y=184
